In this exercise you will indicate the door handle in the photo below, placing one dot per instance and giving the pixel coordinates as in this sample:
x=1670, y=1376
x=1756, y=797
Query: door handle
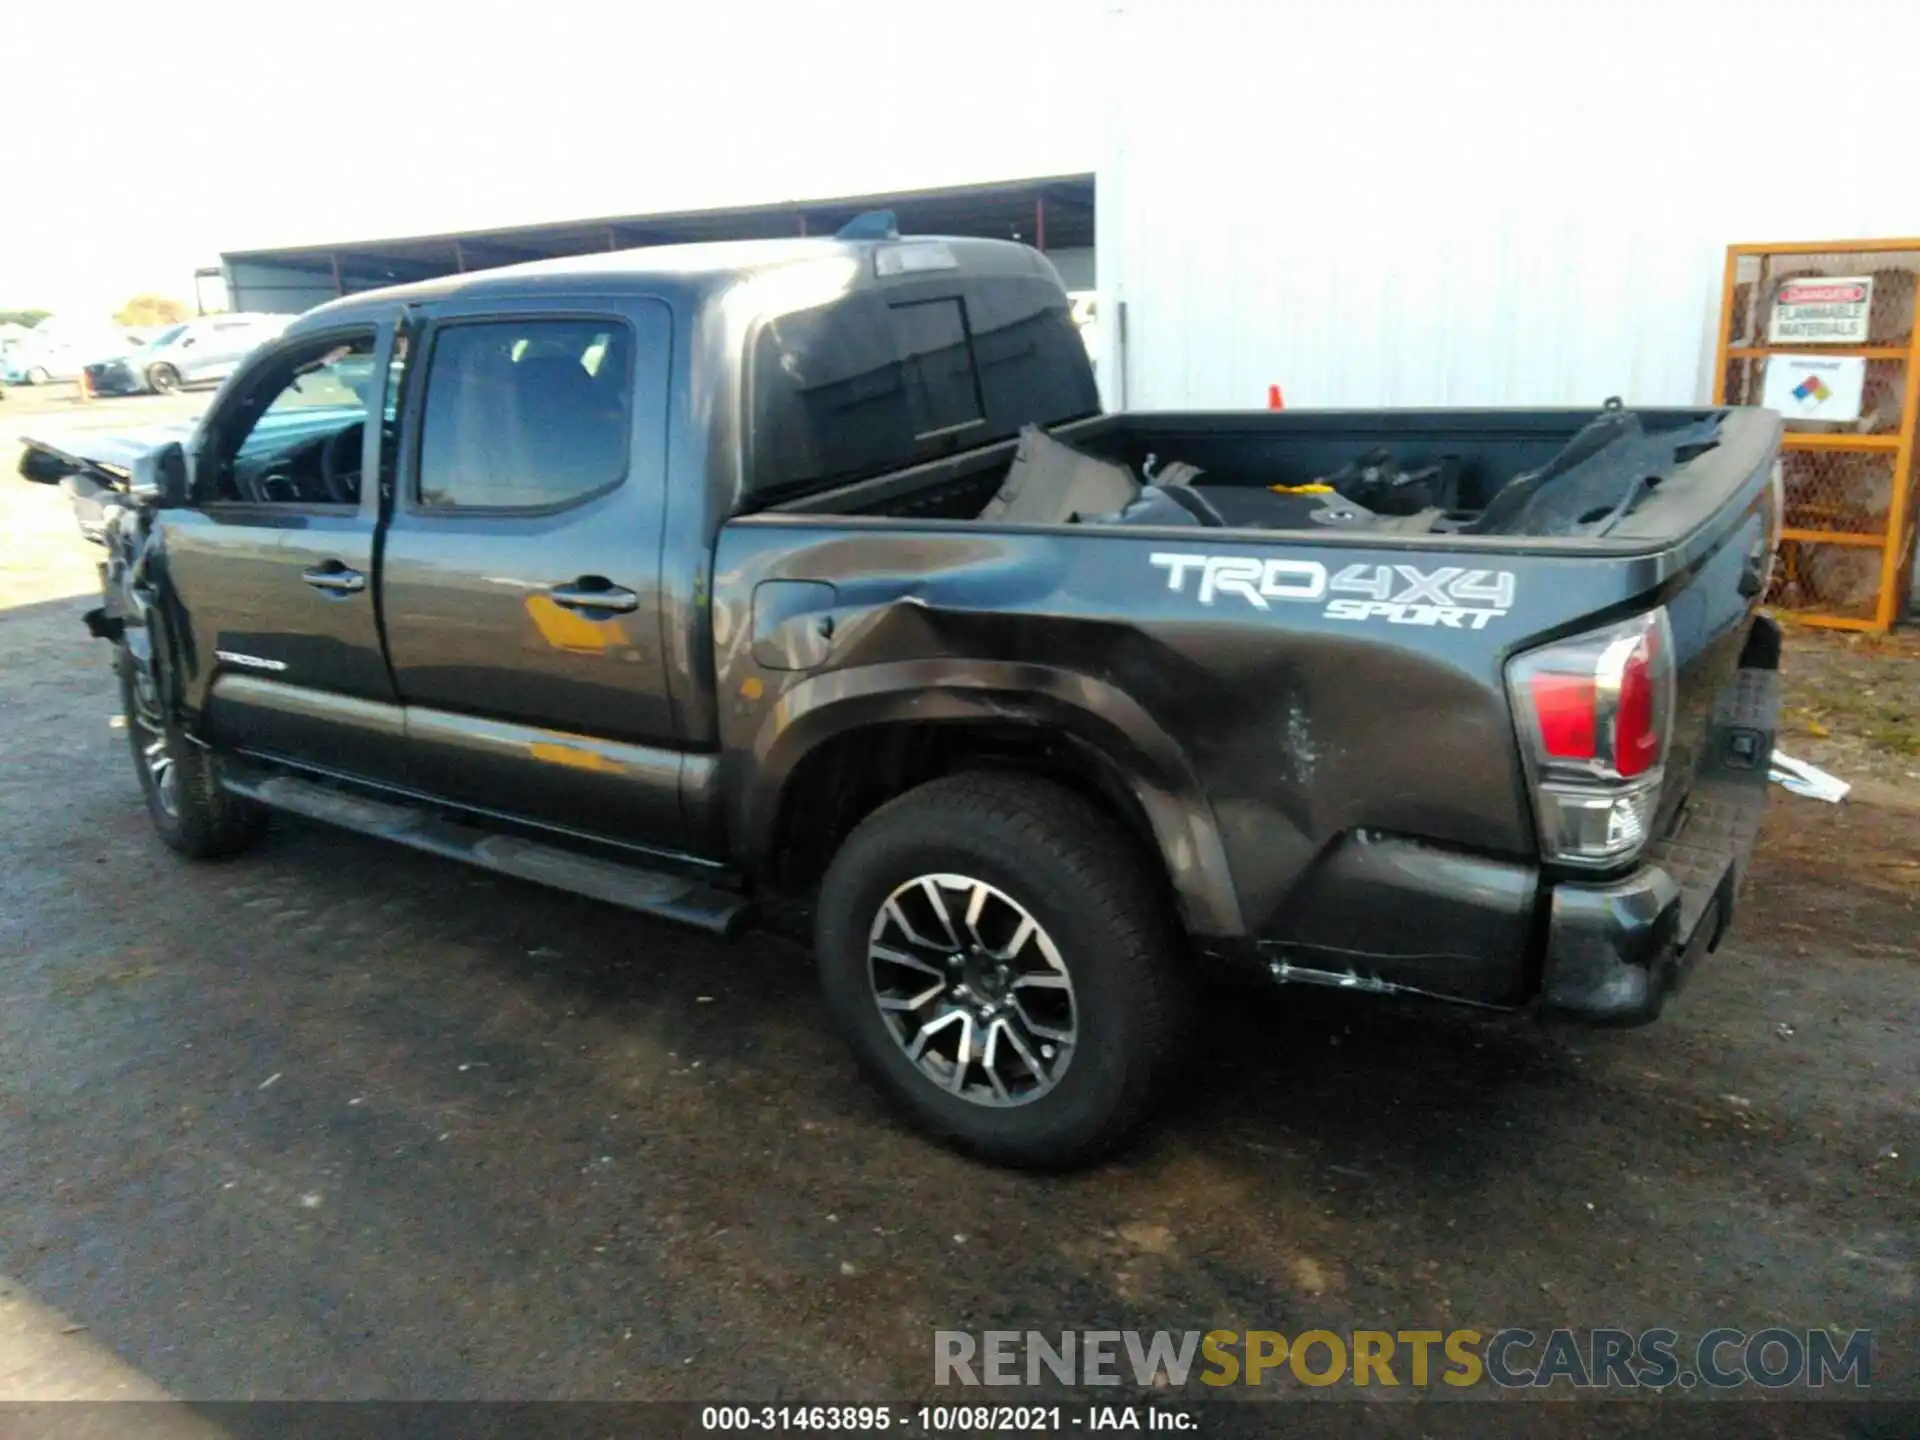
x=338, y=579
x=592, y=593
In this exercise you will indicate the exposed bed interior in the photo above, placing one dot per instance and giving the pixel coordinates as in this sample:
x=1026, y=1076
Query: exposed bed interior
x=1518, y=473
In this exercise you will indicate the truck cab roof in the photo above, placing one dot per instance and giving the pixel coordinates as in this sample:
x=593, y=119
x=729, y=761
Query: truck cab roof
x=825, y=360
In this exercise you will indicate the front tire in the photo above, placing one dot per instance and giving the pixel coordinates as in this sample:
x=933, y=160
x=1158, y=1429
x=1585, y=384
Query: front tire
x=39, y=375
x=190, y=810
x=163, y=379
x=1039, y=1034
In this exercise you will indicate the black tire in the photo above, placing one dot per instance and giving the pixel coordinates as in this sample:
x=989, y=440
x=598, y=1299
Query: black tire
x=39, y=375
x=163, y=379
x=197, y=817
x=1075, y=873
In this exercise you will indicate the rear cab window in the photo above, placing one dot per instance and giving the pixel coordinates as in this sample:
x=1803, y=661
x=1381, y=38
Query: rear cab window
x=888, y=376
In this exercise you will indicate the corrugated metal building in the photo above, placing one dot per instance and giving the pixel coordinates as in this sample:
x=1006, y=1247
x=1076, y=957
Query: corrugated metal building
x=1475, y=204
x=1486, y=202
x=1053, y=213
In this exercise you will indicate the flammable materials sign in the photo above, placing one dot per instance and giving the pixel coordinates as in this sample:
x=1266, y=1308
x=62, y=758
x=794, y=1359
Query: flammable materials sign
x=1823, y=310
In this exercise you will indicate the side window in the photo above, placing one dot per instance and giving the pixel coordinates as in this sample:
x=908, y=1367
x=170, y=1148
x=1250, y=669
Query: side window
x=303, y=444
x=525, y=414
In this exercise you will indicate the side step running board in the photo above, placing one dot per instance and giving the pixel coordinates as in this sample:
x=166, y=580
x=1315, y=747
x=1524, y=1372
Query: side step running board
x=651, y=892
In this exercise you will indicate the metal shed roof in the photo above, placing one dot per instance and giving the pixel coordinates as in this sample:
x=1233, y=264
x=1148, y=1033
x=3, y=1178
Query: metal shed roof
x=1052, y=212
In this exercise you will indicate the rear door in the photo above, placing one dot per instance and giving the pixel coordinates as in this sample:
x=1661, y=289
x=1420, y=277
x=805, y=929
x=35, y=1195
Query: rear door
x=520, y=579
x=273, y=565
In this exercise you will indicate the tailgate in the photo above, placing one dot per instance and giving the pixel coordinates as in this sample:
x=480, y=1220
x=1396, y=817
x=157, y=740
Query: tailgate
x=1727, y=699
x=1718, y=823
x=1616, y=947
x=1712, y=603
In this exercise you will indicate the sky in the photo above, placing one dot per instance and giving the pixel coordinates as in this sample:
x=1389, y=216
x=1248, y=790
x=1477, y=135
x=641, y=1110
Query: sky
x=148, y=138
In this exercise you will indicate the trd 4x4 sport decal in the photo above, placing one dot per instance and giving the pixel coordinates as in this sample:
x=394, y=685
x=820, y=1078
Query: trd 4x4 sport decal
x=1452, y=596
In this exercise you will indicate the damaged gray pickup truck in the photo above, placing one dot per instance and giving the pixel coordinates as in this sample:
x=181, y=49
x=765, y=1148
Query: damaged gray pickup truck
x=691, y=578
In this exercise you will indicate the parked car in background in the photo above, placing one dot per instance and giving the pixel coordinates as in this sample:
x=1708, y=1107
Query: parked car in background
x=11, y=335
x=198, y=352
x=10, y=338
x=26, y=361
x=47, y=353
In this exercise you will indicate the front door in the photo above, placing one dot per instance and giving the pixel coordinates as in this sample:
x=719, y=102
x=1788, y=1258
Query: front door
x=520, y=580
x=274, y=563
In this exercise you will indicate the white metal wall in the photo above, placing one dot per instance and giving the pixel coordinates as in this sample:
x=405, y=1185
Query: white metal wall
x=1476, y=203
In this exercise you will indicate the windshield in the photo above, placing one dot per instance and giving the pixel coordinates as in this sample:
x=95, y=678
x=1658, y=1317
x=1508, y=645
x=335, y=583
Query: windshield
x=165, y=337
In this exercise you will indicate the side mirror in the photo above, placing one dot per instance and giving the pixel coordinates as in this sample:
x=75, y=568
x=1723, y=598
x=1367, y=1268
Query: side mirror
x=159, y=478
x=188, y=343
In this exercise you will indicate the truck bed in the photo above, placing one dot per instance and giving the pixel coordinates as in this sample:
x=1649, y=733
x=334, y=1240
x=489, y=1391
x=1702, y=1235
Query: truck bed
x=1677, y=467
x=1331, y=687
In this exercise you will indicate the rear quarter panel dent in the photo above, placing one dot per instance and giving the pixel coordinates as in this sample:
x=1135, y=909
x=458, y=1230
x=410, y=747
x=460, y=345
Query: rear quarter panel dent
x=823, y=707
x=1283, y=724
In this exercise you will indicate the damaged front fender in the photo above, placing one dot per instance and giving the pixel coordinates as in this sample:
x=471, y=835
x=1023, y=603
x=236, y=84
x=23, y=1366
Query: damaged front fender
x=104, y=626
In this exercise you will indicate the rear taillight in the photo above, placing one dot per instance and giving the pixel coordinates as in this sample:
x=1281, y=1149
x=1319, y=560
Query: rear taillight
x=1595, y=713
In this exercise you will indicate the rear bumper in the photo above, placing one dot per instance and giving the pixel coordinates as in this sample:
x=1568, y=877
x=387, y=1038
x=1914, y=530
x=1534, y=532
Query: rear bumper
x=1615, y=951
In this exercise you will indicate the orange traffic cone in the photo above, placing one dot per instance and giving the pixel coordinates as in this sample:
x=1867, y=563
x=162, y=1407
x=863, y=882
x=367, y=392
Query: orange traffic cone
x=1274, y=399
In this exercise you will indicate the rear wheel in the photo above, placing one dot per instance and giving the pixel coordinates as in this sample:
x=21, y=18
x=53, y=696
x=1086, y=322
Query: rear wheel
x=39, y=375
x=163, y=379
x=1003, y=966
x=180, y=780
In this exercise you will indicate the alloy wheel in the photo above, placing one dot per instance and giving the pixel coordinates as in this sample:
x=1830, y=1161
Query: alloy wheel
x=151, y=740
x=973, y=989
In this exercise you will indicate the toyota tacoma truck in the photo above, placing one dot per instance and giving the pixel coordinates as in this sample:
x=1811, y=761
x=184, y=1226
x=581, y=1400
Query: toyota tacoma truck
x=808, y=577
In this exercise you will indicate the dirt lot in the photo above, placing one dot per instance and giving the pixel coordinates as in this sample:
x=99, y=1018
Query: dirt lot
x=335, y=1120
x=1855, y=707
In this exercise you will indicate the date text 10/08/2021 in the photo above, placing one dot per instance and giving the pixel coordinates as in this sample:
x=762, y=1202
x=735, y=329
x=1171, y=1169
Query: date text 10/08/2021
x=941, y=1419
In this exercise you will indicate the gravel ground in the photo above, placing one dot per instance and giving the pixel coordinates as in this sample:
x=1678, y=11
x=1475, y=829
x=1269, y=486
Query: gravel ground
x=1855, y=707
x=335, y=1120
